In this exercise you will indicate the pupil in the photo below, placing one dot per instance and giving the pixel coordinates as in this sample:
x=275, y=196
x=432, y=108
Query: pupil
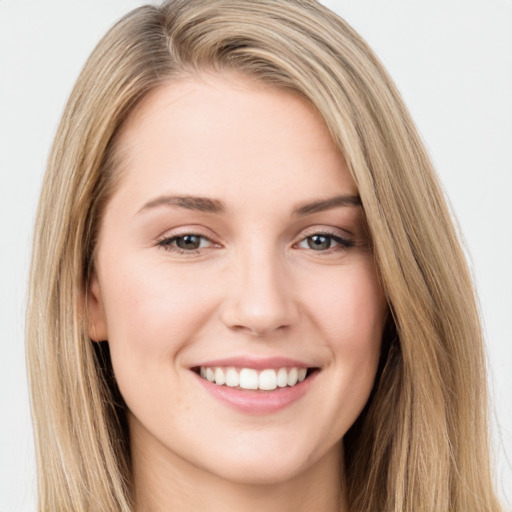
x=188, y=242
x=319, y=242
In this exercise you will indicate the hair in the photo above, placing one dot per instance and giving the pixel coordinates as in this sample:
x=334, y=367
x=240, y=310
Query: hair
x=421, y=442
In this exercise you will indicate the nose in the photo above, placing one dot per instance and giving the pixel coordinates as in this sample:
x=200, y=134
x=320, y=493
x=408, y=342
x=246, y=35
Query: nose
x=260, y=299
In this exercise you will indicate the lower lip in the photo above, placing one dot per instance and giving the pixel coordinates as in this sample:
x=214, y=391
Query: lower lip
x=258, y=402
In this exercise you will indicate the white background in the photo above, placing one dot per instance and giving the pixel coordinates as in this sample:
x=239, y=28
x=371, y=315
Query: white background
x=452, y=61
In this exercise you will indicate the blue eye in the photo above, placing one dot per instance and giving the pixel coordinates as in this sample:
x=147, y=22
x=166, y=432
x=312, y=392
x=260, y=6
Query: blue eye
x=325, y=241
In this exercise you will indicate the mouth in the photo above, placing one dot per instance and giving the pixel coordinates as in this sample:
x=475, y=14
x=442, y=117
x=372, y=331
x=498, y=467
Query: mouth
x=256, y=386
x=252, y=379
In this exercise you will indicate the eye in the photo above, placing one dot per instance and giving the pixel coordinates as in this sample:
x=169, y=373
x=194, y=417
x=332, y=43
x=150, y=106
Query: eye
x=325, y=241
x=186, y=243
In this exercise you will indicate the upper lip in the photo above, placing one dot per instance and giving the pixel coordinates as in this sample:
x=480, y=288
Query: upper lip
x=256, y=363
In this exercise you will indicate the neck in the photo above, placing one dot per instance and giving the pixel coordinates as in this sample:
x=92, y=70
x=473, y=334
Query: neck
x=163, y=482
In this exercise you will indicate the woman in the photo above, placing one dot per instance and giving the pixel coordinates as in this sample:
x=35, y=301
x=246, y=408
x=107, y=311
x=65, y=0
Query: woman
x=246, y=281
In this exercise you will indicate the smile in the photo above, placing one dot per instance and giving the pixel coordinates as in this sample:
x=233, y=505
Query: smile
x=266, y=379
x=252, y=385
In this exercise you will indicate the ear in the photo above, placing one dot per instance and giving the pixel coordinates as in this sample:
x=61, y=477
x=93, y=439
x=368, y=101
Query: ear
x=97, y=321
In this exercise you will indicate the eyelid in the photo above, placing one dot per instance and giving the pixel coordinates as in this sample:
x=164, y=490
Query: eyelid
x=327, y=230
x=175, y=237
x=192, y=229
x=338, y=235
x=342, y=241
x=166, y=240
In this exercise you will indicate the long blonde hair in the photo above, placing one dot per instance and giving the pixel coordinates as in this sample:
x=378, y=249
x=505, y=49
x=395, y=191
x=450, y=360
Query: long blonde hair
x=421, y=442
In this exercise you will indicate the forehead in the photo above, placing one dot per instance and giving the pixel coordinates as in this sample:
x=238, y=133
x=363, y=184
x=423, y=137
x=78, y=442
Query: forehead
x=229, y=135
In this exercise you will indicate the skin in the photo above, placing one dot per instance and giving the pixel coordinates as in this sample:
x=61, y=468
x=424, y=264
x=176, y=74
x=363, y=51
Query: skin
x=254, y=287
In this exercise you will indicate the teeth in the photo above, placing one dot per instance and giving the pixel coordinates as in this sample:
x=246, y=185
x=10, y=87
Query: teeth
x=232, y=378
x=282, y=378
x=249, y=378
x=220, y=377
x=268, y=380
x=293, y=375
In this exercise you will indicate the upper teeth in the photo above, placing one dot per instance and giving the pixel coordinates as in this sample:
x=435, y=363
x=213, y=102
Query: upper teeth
x=249, y=378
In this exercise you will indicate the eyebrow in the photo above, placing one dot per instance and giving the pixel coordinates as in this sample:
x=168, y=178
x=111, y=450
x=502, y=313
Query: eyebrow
x=326, y=204
x=207, y=205
x=201, y=204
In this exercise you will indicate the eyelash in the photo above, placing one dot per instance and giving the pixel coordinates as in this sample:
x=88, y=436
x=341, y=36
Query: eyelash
x=167, y=243
x=343, y=244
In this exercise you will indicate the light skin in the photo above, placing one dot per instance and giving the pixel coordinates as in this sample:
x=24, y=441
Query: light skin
x=279, y=266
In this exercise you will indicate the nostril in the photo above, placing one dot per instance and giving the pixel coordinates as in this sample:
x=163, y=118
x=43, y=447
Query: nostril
x=258, y=327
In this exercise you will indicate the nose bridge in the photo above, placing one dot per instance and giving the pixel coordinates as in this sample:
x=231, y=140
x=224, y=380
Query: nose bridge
x=260, y=296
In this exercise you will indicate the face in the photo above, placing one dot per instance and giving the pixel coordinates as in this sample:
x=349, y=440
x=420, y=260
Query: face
x=235, y=284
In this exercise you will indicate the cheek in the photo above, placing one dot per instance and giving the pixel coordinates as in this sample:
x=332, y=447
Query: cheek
x=350, y=313
x=153, y=312
x=350, y=309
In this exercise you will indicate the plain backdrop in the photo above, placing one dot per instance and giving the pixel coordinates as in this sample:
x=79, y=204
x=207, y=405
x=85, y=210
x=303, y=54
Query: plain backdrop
x=452, y=61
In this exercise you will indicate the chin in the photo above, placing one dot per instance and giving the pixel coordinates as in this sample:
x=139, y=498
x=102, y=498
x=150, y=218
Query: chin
x=274, y=466
x=264, y=472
